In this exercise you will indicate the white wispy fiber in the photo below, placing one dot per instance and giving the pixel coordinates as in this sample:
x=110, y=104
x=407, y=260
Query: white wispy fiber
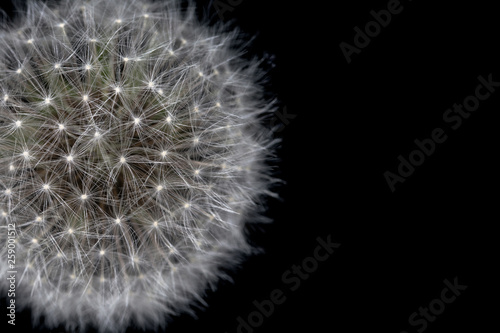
x=132, y=154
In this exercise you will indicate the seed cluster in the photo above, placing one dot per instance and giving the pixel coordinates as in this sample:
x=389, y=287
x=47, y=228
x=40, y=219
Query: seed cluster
x=131, y=156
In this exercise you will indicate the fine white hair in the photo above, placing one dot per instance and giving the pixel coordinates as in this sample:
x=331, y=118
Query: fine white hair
x=132, y=156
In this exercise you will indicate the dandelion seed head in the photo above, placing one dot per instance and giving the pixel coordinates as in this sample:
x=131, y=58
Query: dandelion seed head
x=110, y=111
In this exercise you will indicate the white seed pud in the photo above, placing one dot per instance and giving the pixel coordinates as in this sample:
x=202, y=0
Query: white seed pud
x=128, y=191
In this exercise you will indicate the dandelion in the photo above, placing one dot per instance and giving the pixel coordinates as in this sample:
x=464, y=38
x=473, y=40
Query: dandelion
x=132, y=155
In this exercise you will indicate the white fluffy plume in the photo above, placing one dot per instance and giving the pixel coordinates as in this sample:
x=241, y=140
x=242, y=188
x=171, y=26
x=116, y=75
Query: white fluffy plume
x=131, y=156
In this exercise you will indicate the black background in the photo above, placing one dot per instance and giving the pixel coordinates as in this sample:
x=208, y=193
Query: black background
x=351, y=122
